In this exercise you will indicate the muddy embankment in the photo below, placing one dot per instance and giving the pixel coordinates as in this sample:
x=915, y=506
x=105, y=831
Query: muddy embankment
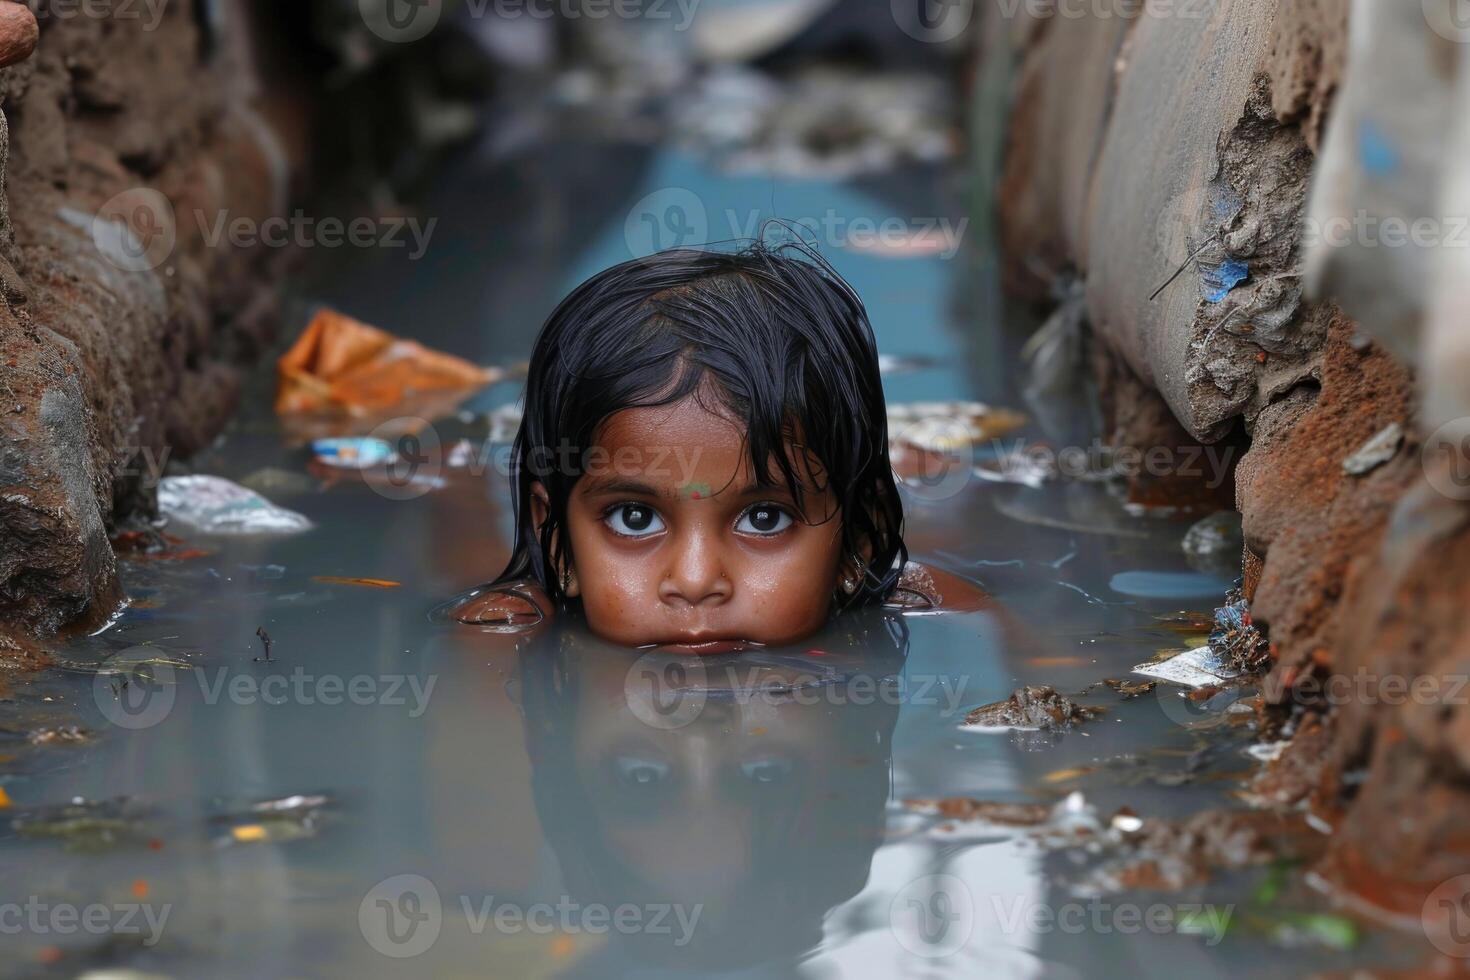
x=122, y=324
x=1227, y=194
x=155, y=159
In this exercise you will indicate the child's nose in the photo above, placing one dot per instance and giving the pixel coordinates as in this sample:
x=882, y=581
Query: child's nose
x=696, y=574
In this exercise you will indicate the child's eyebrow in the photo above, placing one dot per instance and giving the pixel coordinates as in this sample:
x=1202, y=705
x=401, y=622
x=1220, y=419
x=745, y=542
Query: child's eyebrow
x=599, y=485
x=606, y=485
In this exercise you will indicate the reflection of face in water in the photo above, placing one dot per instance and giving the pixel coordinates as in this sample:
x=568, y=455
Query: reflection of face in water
x=750, y=788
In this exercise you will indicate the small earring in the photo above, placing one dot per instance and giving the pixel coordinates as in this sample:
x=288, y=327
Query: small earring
x=849, y=584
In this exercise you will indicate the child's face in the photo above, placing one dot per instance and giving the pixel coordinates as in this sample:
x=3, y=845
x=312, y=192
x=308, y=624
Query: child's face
x=674, y=544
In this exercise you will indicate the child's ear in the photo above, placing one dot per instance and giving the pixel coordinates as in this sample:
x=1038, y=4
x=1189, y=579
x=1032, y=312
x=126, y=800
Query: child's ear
x=855, y=566
x=540, y=505
x=540, y=509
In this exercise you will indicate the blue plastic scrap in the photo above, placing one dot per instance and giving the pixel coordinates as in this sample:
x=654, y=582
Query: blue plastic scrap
x=1376, y=150
x=1216, y=281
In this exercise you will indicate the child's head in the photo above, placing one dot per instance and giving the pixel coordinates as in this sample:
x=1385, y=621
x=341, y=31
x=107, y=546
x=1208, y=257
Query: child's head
x=703, y=460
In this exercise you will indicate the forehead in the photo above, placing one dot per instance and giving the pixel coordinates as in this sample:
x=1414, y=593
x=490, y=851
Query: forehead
x=694, y=438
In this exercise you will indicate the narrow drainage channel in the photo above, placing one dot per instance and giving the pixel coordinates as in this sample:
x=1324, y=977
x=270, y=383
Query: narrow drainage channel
x=373, y=782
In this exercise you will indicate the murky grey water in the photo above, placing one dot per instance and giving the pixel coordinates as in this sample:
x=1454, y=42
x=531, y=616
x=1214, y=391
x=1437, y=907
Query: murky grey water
x=498, y=807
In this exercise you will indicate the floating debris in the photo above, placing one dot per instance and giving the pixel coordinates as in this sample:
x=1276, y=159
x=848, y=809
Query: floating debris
x=1235, y=648
x=342, y=377
x=1295, y=929
x=983, y=811
x=462, y=453
x=274, y=821
x=366, y=583
x=1267, y=751
x=1215, y=540
x=358, y=453
x=1162, y=855
x=265, y=641
x=1033, y=470
x=946, y=427
x=1236, y=637
x=821, y=122
x=1130, y=689
x=214, y=505
x=84, y=825
x=1375, y=452
x=1030, y=709
x=1198, y=668
x=274, y=481
x=61, y=735
x=504, y=423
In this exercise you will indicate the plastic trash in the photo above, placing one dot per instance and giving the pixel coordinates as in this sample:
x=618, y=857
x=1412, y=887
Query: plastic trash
x=943, y=427
x=1377, y=451
x=343, y=377
x=215, y=505
x=357, y=453
x=1201, y=667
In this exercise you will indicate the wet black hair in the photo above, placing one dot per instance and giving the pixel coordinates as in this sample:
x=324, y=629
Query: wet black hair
x=771, y=331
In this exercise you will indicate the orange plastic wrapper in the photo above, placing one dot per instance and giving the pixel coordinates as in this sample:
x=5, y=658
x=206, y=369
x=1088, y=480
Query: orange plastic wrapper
x=343, y=377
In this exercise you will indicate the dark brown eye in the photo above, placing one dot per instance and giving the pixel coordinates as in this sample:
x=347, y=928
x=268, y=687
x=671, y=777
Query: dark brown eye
x=764, y=519
x=634, y=520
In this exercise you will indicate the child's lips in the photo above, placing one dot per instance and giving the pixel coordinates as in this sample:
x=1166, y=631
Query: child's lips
x=705, y=647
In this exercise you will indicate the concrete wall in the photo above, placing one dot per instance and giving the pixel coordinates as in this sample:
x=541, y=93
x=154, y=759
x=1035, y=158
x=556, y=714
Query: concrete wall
x=1189, y=190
